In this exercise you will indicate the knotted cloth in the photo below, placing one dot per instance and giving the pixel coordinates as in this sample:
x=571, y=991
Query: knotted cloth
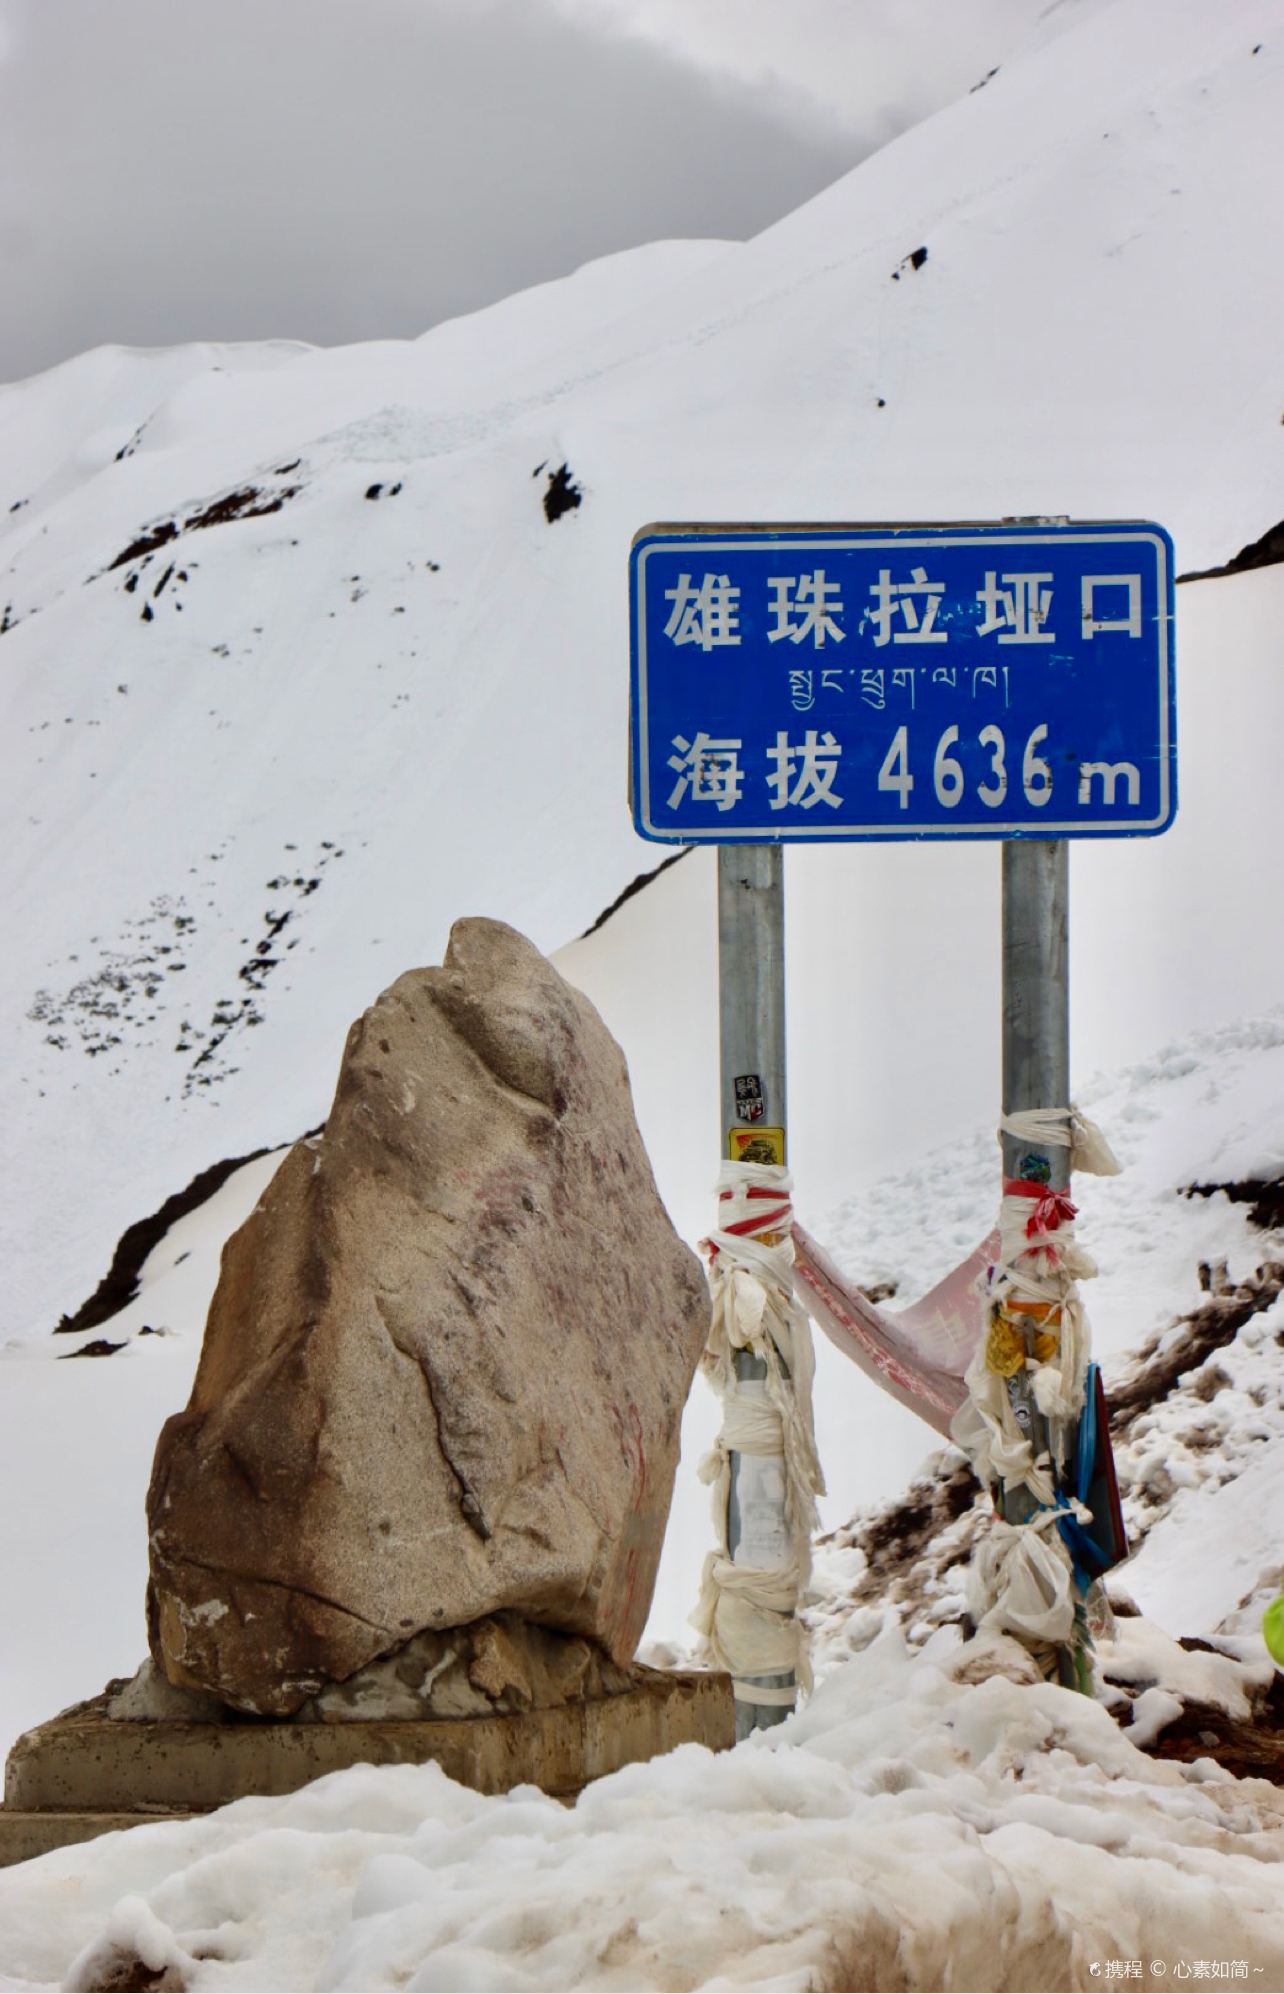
x=1022, y=1577
x=747, y=1613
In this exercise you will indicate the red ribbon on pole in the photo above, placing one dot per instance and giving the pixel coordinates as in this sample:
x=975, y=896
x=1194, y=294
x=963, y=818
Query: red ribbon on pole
x=1052, y=1209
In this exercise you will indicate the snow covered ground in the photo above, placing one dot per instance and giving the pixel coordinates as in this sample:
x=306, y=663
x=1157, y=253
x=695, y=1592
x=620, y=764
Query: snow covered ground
x=254, y=771
x=907, y=1830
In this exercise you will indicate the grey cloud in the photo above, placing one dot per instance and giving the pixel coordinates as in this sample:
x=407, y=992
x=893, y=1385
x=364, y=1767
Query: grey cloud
x=335, y=170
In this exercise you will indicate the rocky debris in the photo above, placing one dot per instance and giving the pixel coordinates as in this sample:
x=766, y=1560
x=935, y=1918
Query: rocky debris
x=993, y=1654
x=1264, y=552
x=497, y=1667
x=1193, y=1699
x=147, y=1698
x=635, y=886
x=117, y=1969
x=247, y=502
x=1166, y=1362
x=916, y=258
x=1249, y=1747
x=912, y=1552
x=445, y=1366
x=563, y=494
x=1264, y=1197
x=123, y=1279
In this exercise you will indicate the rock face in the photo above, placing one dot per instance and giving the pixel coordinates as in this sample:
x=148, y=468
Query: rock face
x=446, y=1362
x=498, y=1667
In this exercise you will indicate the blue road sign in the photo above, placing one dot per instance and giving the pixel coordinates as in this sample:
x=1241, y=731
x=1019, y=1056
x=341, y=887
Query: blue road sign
x=1008, y=680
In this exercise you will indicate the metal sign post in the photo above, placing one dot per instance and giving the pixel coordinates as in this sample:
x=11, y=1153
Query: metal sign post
x=751, y=1008
x=751, y=1000
x=1036, y=1002
x=1036, y=1070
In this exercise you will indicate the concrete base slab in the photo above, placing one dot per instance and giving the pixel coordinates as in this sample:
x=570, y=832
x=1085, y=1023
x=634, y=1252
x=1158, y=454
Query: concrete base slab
x=85, y=1773
x=24, y=1835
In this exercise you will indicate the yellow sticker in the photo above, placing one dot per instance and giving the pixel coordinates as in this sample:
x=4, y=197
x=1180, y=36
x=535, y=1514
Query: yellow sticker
x=756, y=1145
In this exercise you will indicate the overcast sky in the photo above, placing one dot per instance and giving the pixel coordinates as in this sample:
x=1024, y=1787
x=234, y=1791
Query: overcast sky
x=334, y=170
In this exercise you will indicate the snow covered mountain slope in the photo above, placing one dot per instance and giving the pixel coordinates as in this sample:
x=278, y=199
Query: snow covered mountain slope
x=297, y=666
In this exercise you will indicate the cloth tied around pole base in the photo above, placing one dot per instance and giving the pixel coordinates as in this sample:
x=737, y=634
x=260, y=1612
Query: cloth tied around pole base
x=746, y=1615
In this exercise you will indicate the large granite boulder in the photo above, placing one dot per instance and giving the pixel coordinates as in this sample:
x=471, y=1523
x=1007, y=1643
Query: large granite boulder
x=446, y=1362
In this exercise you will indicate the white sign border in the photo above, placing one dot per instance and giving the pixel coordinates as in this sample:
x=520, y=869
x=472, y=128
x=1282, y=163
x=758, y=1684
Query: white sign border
x=912, y=540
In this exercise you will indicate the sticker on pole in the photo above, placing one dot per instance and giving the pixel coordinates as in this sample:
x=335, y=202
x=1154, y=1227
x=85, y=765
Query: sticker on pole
x=1012, y=680
x=756, y=1145
x=749, y=1099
